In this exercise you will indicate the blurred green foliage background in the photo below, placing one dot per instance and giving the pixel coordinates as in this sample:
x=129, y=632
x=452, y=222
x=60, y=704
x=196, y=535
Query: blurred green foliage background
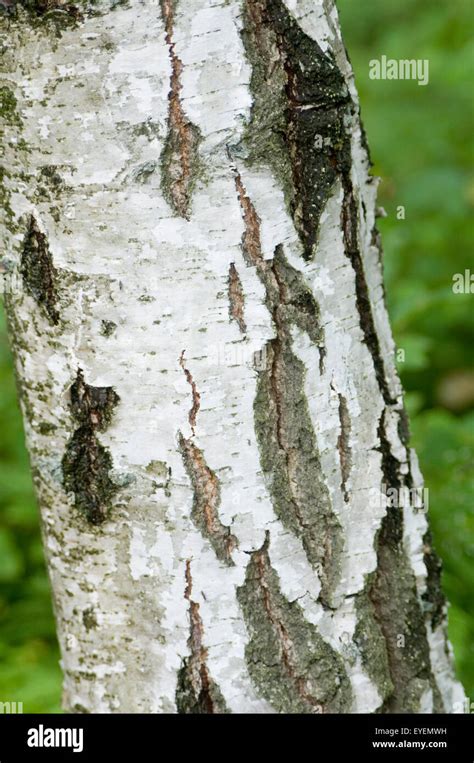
x=420, y=139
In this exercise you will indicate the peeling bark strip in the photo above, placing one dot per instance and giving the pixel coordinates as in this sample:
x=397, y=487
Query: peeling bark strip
x=180, y=159
x=206, y=501
x=196, y=396
x=290, y=663
x=236, y=298
x=86, y=463
x=343, y=445
x=287, y=443
x=396, y=607
x=196, y=691
x=298, y=122
x=38, y=271
x=350, y=227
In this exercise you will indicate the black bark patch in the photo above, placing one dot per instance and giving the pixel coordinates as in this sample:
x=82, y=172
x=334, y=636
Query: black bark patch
x=315, y=103
x=86, y=464
x=433, y=598
x=38, y=271
x=349, y=223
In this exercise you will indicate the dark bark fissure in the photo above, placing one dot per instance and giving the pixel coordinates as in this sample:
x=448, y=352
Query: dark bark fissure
x=434, y=599
x=86, y=464
x=236, y=298
x=343, y=445
x=350, y=226
x=196, y=397
x=288, y=449
x=394, y=598
x=38, y=271
x=289, y=661
x=205, y=483
x=206, y=501
x=196, y=691
x=307, y=142
x=180, y=158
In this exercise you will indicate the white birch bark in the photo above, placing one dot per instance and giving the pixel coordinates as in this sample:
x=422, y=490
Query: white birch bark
x=206, y=367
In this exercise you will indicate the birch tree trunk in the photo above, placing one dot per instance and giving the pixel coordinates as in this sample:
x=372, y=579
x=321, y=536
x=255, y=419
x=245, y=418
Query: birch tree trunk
x=205, y=364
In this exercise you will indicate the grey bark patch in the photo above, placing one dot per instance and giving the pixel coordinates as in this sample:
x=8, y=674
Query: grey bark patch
x=370, y=640
x=196, y=691
x=304, y=136
x=288, y=660
x=236, y=298
x=206, y=501
x=288, y=449
x=87, y=464
x=38, y=271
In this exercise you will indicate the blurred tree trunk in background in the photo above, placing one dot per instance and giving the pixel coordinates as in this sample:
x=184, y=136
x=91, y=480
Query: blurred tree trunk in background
x=205, y=365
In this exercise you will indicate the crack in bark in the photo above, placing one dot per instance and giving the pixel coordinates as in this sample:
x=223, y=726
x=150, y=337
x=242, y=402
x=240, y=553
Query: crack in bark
x=196, y=691
x=343, y=445
x=433, y=598
x=86, y=463
x=289, y=661
x=180, y=154
x=236, y=298
x=206, y=502
x=38, y=271
x=349, y=223
x=196, y=396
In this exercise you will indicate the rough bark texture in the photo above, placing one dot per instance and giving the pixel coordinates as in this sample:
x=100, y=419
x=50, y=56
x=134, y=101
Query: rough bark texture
x=205, y=364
